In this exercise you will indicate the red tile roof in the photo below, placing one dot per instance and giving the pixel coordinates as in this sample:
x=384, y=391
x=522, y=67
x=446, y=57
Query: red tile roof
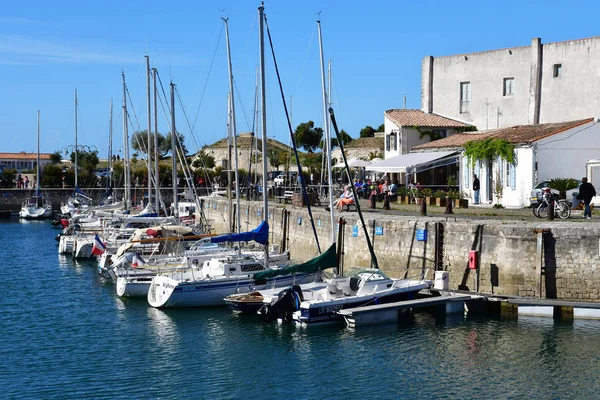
x=514, y=134
x=23, y=156
x=402, y=117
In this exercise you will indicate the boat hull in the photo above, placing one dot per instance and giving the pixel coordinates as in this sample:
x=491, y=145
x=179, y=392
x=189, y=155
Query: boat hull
x=133, y=287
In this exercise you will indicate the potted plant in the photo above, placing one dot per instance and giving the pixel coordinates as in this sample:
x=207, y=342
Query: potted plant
x=426, y=194
x=440, y=198
x=403, y=196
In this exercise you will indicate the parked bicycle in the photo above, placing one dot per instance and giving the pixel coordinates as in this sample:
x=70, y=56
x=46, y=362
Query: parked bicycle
x=562, y=209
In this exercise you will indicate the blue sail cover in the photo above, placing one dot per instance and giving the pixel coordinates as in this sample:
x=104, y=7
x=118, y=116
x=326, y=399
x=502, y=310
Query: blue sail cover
x=259, y=235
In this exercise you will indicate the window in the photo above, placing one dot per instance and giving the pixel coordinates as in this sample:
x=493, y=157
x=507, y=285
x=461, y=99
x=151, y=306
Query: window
x=509, y=87
x=387, y=142
x=465, y=97
x=393, y=141
x=438, y=133
x=557, y=70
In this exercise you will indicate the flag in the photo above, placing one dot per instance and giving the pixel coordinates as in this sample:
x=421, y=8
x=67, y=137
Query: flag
x=98, y=248
x=137, y=261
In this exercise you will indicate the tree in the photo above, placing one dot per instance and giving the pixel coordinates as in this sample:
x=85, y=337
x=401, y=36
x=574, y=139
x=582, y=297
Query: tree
x=307, y=136
x=139, y=142
x=165, y=148
x=381, y=128
x=203, y=160
x=86, y=160
x=55, y=157
x=367, y=131
x=563, y=185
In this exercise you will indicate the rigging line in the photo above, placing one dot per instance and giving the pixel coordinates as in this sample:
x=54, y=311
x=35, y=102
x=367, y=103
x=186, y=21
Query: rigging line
x=208, y=76
x=287, y=115
x=305, y=59
x=241, y=104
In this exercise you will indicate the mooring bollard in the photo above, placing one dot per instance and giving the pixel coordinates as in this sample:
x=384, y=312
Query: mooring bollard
x=423, y=209
x=550, y=216
x=449, y=206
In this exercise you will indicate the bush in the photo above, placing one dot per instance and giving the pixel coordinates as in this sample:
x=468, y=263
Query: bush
x=425, y=192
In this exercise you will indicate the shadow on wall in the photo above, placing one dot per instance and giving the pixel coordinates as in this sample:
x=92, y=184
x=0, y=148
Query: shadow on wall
x=476, y=245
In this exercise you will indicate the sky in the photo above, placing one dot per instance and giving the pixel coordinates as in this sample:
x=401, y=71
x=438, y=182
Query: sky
x=50, y=49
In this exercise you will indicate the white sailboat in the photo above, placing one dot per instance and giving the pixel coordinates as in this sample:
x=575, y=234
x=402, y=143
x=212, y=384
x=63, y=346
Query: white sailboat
x=36, y=207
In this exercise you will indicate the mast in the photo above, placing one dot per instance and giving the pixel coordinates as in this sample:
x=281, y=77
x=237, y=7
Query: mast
x=126, y=169
x=110, y=133
x=327, y=138
x=174, y=151
x=76, y=146
x=157, y=196
x=229, y=180
x=37, y=167
x=148, y=146
x=232, y=128
x=261, y=10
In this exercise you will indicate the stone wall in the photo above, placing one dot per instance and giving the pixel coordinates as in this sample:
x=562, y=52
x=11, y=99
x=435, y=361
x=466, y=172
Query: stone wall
x=507, y=250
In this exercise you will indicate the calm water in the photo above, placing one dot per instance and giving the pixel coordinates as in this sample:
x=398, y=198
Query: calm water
x=64, y=334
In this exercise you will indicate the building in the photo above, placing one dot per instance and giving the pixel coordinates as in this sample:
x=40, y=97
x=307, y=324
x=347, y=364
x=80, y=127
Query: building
x=540, y=83
x=245, y=142
x=365, y=148
x=542, y=152
x=23, y=161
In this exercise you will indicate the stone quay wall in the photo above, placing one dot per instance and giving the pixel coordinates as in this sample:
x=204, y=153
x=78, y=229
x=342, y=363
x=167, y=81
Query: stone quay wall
x=510, y=260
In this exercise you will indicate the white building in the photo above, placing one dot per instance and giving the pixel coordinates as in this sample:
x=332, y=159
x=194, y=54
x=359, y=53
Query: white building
x=365, y=148
x=533, y=84
x=23, y=161
x=543, y=152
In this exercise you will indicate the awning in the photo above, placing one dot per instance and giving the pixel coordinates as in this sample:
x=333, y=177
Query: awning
x=353, y=162
x=413, y=161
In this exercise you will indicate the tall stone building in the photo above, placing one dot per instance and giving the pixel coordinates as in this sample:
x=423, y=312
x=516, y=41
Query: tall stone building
x=534, y=84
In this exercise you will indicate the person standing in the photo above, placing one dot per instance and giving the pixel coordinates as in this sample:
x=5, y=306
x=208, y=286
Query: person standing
x=586, y=192
x=476, y=187
x=26, y=182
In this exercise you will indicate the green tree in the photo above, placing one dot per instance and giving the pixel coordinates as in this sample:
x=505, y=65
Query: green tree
x=86, y=160
x=203, y=160
x=8, y=178
x=563, y=185
x=367, y=131
x=346, y=138
x=381, y=128
x=307, y=136
x=55, y=157
x=139, y=142
x=51, y=176
x=165, y=148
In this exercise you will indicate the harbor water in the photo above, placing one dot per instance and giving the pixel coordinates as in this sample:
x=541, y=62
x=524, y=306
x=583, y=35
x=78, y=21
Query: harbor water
x=65, y=334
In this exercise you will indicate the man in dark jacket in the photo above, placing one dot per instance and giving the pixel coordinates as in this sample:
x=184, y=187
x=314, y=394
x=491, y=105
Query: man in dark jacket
x=586, y=192
x=475, y=189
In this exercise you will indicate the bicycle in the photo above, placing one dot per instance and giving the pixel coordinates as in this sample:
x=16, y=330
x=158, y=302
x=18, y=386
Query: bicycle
x=562, y=209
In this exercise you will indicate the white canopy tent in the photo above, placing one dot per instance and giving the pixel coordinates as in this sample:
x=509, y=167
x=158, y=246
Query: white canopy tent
x=353, y=162
x=410, y=161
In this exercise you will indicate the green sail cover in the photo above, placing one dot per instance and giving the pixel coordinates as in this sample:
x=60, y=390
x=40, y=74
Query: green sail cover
x=319, y=263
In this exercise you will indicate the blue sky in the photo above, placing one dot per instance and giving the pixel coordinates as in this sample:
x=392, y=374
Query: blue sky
x=49, y=49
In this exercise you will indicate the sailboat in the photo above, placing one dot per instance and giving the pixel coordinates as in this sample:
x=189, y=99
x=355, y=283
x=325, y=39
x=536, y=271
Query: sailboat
x=36, y=207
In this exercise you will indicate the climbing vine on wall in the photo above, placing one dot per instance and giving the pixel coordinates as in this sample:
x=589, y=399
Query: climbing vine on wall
x=489, y=149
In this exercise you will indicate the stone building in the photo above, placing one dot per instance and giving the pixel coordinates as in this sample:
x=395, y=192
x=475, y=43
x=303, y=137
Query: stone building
x=245, y=142
x=521, y=85
x=365, y=148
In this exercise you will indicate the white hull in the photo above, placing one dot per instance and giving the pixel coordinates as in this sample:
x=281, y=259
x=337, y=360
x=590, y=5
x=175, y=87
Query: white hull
x=65, y=245
x=35, y=212
x=133, y=287
x=166, y=292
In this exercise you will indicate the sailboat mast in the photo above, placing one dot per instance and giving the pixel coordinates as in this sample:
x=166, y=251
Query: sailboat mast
x=327, y=138
x=265, y=191
x=37, y=167
x=174, y=151
x=233, y=129
x=126, y=170
x=148, y=146
x=229, y=180
x=76, y=145
x=157, y=196
x=110, y=148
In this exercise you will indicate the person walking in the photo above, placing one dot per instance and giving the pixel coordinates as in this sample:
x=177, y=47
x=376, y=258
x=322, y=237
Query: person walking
x=476, y=187
x=586, y=192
